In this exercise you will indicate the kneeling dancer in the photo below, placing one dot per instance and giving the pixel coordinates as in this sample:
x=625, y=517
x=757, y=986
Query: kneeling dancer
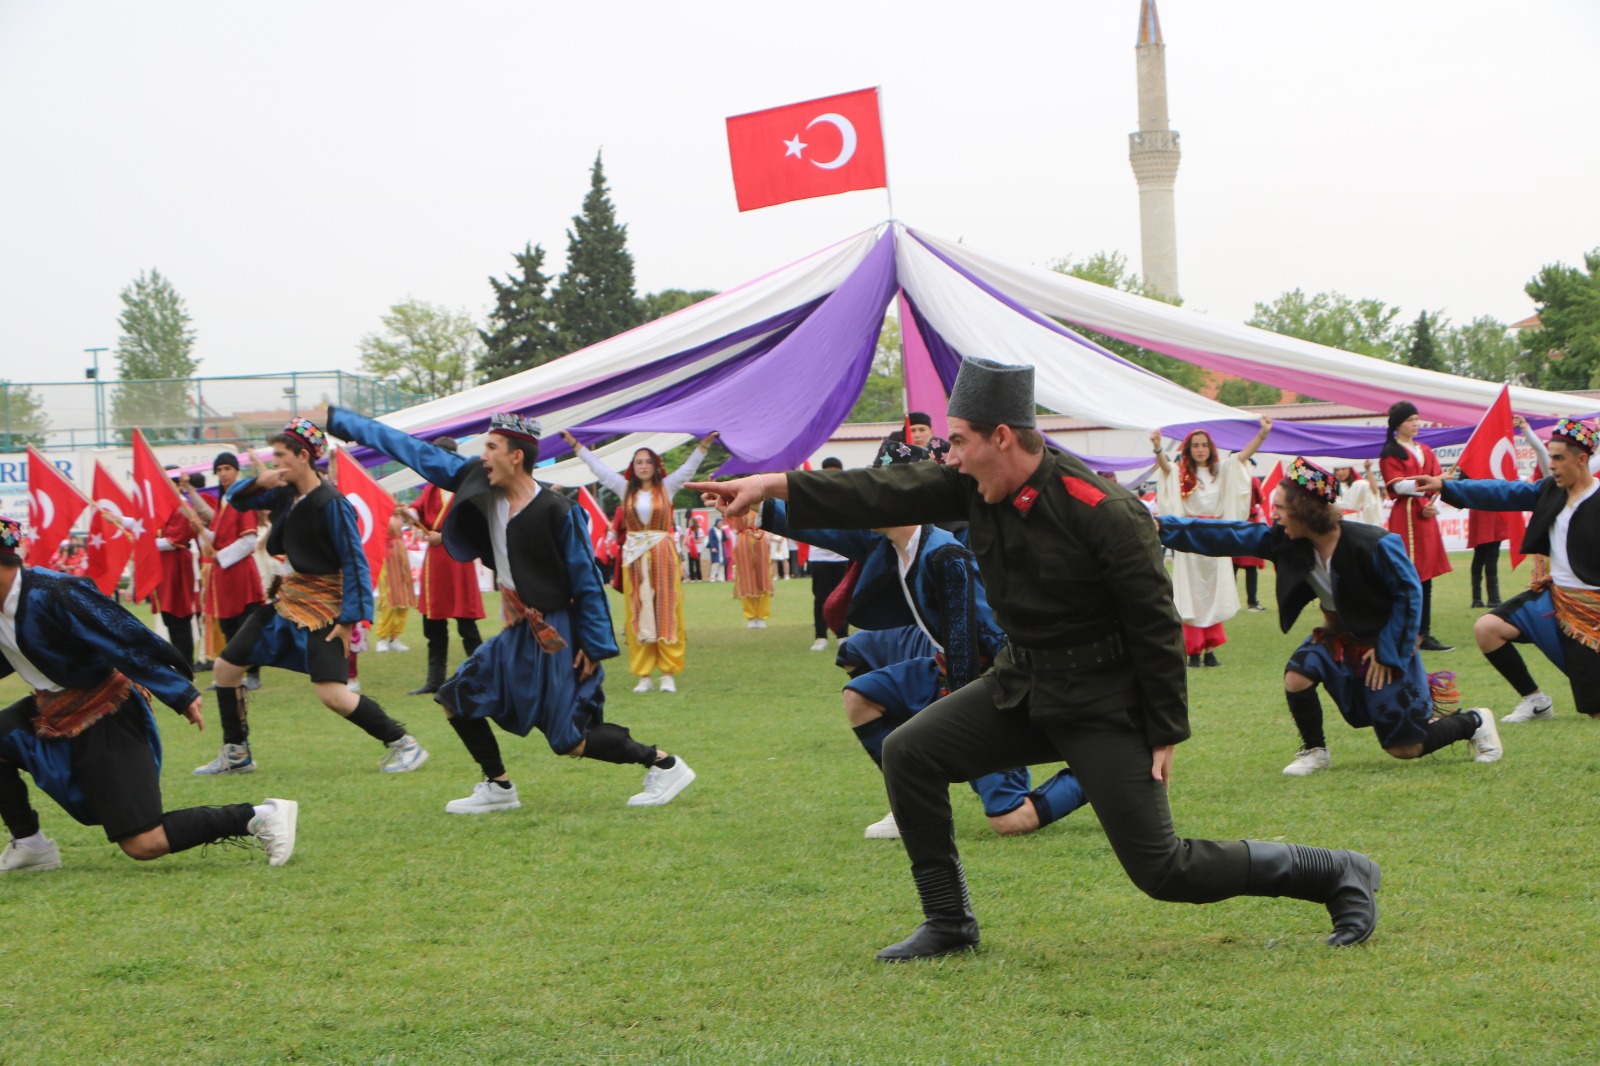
x=306, y=627
x=1561, y=614
x=1102, y=685
x=543, y=670
x=1365, y=654
x=87, y=735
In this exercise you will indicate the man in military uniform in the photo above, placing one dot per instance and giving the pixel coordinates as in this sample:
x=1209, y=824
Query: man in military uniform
x=1102, y=685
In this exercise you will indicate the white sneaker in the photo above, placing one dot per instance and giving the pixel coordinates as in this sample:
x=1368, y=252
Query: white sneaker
x=760, y=623
x=668, y=684
x=660, y=786
x=21, y=857
x=395, y=645
x=354, y=686
x=275, y=831
x=1309, y=761
x=486, y=798
x=883, y=829
x=383, y=645
x=232, y=759
x=1535, y=708
x=754, y=623
x=820, y=644
x=404, y=755
x=643, y=685
x=1486, y=741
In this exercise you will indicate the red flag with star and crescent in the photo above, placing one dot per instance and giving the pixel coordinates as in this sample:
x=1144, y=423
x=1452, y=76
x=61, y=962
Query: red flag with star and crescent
x=598, y=525
x=816, y=148
x=1491, y=454
x=154, y=500
x=54, y=506
x=373, y=508
x=110, y=542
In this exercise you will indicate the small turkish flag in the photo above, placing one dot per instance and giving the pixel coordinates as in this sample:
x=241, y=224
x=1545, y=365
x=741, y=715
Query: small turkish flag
x=1269, y=483
x=373, y=507
x=1491, y=454
x=154, y=500
x=110, y=543
x=817, y=148
x=597, y=521
x=54, y=504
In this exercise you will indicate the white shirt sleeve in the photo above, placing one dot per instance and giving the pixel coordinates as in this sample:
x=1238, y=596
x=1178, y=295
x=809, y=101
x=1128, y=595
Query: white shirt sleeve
x=684, y=474
x=606, y=476
x=240, y=549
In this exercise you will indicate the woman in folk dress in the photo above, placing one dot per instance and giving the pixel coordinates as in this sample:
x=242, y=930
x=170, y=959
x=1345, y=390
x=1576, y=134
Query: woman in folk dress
x=1414, y=517
x=1205, y=484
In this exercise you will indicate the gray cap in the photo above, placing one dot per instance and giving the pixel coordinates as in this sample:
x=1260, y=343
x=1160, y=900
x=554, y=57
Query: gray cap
x=999, y=394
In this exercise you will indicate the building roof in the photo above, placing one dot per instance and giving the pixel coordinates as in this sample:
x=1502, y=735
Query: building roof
x=1149, y=23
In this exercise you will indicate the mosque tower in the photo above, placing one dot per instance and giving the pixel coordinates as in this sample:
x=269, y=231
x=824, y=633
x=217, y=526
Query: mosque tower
x=1153, y=151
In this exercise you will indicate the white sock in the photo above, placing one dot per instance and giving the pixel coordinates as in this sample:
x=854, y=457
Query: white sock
x=266, y=809
x=37, y=842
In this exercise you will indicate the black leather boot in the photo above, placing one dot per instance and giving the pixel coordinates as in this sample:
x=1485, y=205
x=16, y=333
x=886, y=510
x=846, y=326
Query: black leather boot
x=948, y=925
x=1345, y=881
x=1194, y=662
x=438, y=650
x=1492, y=580
x=1211, y=659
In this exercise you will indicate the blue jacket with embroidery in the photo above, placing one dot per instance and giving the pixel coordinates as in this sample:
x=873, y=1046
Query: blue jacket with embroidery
x=944, y=581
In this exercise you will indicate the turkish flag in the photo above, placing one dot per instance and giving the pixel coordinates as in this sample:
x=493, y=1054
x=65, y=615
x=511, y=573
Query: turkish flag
x=1269, y=483
x=597, y=521
x=373, y=508
x=817, y=148
x=110, y=543
x=1491, y=454
x=154, y=500
x=54, y=506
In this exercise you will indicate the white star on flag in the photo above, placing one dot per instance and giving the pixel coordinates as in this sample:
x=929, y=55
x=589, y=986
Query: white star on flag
x=795, y=147
x=96, y=541
x=136, y=526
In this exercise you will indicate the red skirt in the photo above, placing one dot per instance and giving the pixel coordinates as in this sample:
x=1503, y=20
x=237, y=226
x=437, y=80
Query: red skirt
x=449, y=588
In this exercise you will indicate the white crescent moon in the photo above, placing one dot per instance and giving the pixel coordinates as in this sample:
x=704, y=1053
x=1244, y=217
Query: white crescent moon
x=847, y=133
x=363, y=515
x=46, y=510
x=113, y=508
x=1503, y=454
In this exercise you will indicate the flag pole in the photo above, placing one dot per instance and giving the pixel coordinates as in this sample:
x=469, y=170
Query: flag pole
x=888, y=187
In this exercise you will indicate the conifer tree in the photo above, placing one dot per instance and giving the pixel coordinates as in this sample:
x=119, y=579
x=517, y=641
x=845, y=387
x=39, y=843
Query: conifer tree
x=1423, y=353
x=523, y=333
x=594, y=298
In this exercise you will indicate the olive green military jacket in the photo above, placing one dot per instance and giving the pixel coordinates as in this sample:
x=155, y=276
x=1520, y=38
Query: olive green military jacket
x=1071, y=559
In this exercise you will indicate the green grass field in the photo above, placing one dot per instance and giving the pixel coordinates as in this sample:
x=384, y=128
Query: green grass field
x=738, y=924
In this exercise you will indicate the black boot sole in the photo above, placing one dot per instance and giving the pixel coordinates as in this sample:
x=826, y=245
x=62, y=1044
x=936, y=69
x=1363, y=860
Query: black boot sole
x=928, y=943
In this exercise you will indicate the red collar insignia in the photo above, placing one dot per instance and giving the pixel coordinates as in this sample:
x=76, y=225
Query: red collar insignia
x=1023, y=500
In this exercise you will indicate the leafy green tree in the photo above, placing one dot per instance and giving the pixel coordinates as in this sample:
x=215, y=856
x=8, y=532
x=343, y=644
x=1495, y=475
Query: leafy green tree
x=424, y=349
x=1485, y=349
x=523, y=333
x=1237, y=392
x=883, y=397
x=155, y=354
x=1366, y=327
x=594, y=298
x=1566, y=347
x=23, y=420
x=654, y=305
x=1423, y=353
x=1111, y=270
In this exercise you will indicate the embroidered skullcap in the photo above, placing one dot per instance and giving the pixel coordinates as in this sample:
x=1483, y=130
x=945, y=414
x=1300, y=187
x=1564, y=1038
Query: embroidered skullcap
x=10, y=541
x=919, y=418
x=894, y=452
x=306, y=432
x=224, y=459
x=996, y=394
x=1578, y=434
x=1313, y=479
x=511, y=424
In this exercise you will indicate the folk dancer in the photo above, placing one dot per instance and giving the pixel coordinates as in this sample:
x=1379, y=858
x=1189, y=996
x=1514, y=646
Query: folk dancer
x=307, y=625
x=543, y=670
x=1365, y=653
x=87, y=734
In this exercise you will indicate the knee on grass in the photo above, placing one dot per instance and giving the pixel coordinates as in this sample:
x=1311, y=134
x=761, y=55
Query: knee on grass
x=1406, y=751
x=151, y=844
x=1295, y=682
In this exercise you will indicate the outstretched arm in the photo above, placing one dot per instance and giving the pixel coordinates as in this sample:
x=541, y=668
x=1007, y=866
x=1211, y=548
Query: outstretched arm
x=1162, y=462
x=442, y=468
x=1244, y=454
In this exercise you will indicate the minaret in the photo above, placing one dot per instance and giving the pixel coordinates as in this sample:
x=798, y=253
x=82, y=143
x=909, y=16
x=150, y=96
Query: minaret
x=1153, y=151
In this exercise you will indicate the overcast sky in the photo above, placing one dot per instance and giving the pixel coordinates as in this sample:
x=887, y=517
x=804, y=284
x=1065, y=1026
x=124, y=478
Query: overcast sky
x=295, y=168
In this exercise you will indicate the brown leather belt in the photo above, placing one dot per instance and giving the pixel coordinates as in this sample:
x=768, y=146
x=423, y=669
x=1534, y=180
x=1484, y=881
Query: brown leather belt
x=1077, y=657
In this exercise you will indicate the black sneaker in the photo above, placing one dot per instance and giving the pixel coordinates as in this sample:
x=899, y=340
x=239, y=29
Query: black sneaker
x=1194, y=662
x=1431, y=643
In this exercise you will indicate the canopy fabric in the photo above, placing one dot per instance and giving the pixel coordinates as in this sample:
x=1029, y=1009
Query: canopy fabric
x=775, y=364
